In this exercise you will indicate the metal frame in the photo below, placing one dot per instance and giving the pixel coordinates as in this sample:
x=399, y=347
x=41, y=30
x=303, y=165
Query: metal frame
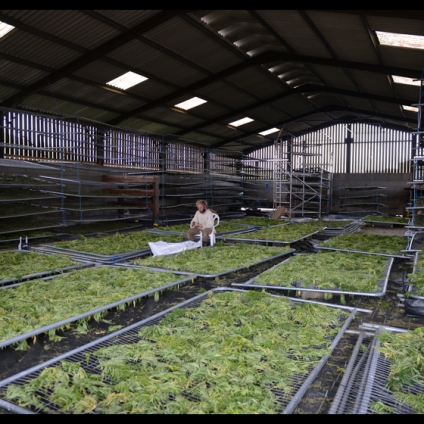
x=130, y=335
x=220, y=274
x=365, y=377
x=92, y=312
x=383, y=283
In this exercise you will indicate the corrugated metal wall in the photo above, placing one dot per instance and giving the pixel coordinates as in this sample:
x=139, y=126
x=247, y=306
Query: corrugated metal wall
x=342, y=148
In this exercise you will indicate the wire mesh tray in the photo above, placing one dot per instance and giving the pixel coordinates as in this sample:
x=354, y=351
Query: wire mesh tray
x=85, y=356
x=363, y=389
x=244, y=228
x=186, y=278
x=270, y=242
x=411, y=287
x=12, y=282
x=88, y=256
x=407, y=255
x=296, y=286
x=218, y=274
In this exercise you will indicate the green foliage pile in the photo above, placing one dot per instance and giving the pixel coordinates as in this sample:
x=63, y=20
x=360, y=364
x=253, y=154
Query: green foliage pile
x=417, y=278
x=16, y=264
x=352, y=272
x=226, y=356
x=259, y=221
x=371, y=243
x=284, y=233
x=214, y=260
x=117, y=243
x=39, y=303
x=378, y=218
x=405, y=351
x=222, y=227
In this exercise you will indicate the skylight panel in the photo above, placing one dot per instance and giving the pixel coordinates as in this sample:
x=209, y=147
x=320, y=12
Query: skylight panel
x=400, y=40
x=405, y=80
x=411, y=108
x=127, y=80
x=190, y=103
x=240, y=122
x=5, y=28
x=270, y=131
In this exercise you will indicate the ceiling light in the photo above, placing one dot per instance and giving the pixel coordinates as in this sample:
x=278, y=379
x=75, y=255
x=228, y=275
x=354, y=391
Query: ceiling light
x=127, y=80
x=405, y=80
x=411, y=108
x=240, y=122
x=5, y=28
x=400, y=40
x=271, y=130
x=190, y=103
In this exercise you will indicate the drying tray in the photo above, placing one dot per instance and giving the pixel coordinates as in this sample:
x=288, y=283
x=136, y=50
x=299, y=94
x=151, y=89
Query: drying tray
x=270, y=242
x=353, y=227
x=219, y=234
x=294, y=287
x=93, y=257
x=12, y=282
x=365, y=377
x=129, y=335
x=186, y=278
x=410, y=287
x=220, y=274
x=376, y=223
x=403, y=256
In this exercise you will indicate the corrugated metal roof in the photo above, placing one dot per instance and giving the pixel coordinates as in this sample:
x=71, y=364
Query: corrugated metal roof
x=279, y=67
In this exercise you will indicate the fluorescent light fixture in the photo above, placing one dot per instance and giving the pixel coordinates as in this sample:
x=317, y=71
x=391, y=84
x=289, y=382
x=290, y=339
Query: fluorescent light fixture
x=411, y=108
x=5, y=28
x=190, y=103
x=400, y=40
x=271, y=130
x=127, y=80
x=240, y=122
x=405, y=80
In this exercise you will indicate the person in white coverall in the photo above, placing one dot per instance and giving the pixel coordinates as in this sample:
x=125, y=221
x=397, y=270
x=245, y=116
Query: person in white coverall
x=201, y=222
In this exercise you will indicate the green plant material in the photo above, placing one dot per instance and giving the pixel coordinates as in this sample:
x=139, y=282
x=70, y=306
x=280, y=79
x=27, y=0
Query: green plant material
x=39, y=303
x=284, y=233
x=226, y=356
x=214, y=260
x=371, y=243
x=405, y=351
x=16, y=264
x=117, y=243
x=222, y=227
x=15, y=236
x=417, y=278
x=385, y=218
x=259, y=221
x=114, y=328
x=352, y=272
x=380, y=408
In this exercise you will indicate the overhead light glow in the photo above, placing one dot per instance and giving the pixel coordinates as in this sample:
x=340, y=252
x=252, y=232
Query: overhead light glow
x=190, y=103
x=400, y=40
x=127, y=80
x=240, y=122
x=5, y=28
x=271, y=130
x=411, y=108
x=405, y=80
